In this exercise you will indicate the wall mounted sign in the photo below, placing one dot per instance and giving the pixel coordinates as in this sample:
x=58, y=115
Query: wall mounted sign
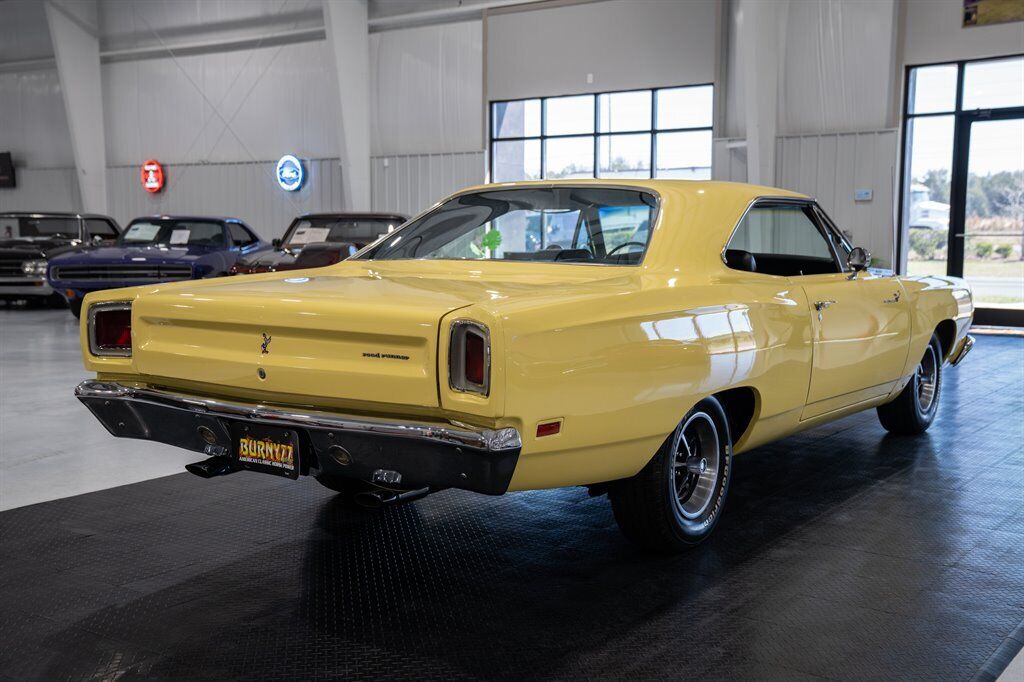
x=152, y=176
x=985, y=12
x=290, y=174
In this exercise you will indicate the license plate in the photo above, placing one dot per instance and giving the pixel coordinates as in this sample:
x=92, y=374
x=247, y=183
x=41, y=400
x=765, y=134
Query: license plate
x=266, y=449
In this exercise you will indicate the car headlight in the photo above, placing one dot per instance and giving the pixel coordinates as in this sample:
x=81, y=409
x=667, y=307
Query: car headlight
x=34, y=268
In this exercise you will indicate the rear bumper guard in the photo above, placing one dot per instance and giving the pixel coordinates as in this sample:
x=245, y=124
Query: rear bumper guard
x=441, y=455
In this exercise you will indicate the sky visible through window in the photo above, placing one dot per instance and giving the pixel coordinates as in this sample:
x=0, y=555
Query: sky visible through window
x=663, y=133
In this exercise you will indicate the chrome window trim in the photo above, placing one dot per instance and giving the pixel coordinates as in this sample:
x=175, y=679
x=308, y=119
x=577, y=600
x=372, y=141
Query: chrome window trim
x=94, y=309
x=453, y=380
x=805, y=202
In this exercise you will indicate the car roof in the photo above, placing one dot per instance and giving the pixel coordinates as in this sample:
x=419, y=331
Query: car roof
x=52, y=214
x=353, y=215
x=660, y=186
x=214, y=218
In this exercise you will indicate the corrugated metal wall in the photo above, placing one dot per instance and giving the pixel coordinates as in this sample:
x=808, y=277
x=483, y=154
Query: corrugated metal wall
x=426, y=89
x=247, y=191
x=832, y=167
x=407, y=184
x=410, y=184
x=42, y=189
x=278, y=100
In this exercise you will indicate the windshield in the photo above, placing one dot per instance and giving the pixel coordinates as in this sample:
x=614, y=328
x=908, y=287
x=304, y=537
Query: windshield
x=357, y=232
x=28, y=228
x=173, y=233
x=551, y=224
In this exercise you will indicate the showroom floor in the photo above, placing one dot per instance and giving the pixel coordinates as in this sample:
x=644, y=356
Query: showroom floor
x=843, y=553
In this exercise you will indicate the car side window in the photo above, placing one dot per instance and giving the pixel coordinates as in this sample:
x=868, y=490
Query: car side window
x=240, y=236
x=780, y=239
x=100, y=228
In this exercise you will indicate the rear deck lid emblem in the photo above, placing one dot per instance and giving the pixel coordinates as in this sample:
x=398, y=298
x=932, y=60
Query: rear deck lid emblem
x=265, y=346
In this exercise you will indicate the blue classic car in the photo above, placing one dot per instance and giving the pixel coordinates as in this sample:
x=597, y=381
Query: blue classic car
x=154, y=249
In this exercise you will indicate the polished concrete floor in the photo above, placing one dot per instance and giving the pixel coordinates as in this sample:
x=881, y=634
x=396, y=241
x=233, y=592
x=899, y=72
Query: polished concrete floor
x=50, y=445
x=844, y=553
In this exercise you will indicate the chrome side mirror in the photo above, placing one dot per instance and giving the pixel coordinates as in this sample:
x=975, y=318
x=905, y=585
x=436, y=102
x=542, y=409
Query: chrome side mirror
x=859, y=259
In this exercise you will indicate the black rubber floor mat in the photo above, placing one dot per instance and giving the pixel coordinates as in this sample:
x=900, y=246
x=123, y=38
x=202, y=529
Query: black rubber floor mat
x=843, y=553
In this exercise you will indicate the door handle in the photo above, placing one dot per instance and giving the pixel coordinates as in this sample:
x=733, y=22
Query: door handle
x=821, y=305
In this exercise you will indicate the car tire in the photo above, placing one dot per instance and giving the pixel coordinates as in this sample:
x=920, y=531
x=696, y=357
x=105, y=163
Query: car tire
x=76, y=308
x=677, y=499
x=913, y=410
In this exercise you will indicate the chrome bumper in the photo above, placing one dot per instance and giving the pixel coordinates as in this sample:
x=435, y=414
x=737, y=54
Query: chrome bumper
x=960, y=353
x=440, y=455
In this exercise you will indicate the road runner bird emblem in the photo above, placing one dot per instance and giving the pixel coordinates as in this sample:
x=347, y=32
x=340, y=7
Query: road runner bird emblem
x=265, y=346
x=895, y=298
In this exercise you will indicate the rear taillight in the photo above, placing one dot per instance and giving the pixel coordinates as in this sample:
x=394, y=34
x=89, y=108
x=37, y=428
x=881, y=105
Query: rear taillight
x=469, y=357
x=110, y=329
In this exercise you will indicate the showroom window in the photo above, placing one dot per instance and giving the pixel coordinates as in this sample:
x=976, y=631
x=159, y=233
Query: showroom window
x=661, y=133
x=962, y=199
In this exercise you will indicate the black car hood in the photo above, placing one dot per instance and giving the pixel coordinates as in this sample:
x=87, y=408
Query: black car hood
x=279, y=258
x=269, y=259
x=37, y=248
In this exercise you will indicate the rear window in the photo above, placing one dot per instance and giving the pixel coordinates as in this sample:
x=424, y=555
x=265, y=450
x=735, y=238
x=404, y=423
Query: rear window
x=174, y=233
x=598, y=225
x=30, y=228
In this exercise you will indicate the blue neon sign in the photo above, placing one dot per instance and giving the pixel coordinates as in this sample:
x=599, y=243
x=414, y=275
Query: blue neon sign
x=290, y=174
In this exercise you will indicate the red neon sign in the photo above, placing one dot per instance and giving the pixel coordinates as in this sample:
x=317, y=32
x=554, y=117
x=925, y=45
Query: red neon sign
x=152, y=176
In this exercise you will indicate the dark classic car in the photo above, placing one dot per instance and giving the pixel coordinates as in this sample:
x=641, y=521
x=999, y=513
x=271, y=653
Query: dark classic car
x=152, y=250
x=318, y=239
x=29, y=240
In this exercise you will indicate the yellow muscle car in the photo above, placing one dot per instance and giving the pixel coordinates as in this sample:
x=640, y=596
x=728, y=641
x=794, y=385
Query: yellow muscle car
x=628, y=336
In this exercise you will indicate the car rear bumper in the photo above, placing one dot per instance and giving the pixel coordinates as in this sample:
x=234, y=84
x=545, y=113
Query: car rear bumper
x=23, y=286
x=958, y=354
x=441, y=455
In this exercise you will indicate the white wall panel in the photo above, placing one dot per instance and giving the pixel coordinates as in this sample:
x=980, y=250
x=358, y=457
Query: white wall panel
x=33, y=123
x=425, y=89
x=623, y=43
x=23, y=31
x=728, y=162
x=278, y=100
x=143, y=23
x=247, y=191
x=837, y=66
x=410, y=184
x=42, y=189
x=831, y=167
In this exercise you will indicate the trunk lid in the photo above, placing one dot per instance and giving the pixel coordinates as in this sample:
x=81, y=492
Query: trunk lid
x=342, y=338
x=360, y=331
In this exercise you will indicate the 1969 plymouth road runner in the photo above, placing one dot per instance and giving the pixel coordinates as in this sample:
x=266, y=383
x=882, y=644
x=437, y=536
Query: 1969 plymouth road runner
x=628, y=336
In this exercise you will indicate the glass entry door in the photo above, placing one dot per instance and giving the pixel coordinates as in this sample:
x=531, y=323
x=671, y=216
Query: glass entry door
x=962, y=199
x=992, y=239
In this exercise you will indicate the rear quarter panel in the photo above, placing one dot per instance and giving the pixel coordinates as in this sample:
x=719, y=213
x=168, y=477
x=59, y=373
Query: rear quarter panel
x=621, y=369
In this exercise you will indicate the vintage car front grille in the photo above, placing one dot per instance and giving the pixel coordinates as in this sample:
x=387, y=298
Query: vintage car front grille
x=10, y=266
x=126, y=272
